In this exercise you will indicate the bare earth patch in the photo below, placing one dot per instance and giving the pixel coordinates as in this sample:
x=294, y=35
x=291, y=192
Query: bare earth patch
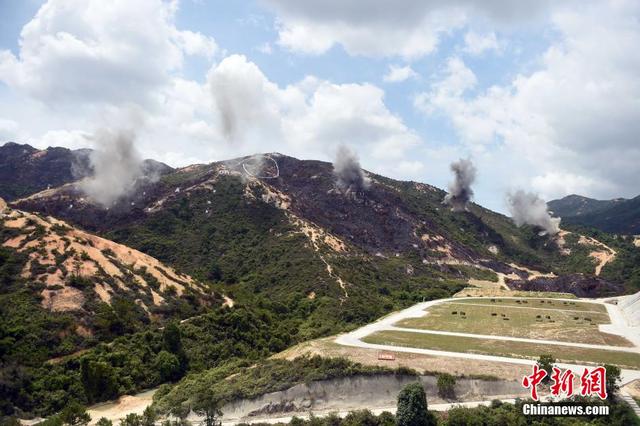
x=326, y=347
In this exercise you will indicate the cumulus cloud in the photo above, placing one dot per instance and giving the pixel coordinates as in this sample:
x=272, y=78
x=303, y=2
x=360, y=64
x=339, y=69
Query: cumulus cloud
x=410, y=28
x=528, y=208
x=93, y=51
x=396, y=74
x=476, y=43
x=309, y=118
x=576, y=115
x=349, y=175
x=460, y=192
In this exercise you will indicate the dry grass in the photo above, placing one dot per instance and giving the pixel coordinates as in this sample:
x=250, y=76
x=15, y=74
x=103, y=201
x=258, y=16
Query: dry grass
x=503, y=348
x=424, y=363
x=517, y=321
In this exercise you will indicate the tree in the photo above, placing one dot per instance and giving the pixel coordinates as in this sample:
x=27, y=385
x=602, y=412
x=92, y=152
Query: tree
x=75, y=414
x=172, y=338
x=104, y=422
x=446, y=386
x=207, y=405
x=613, y=380
x=167, y=365
x=412, y=407
x=98, y=379
x=131, y=420
x=149, y=416
x=545, y=362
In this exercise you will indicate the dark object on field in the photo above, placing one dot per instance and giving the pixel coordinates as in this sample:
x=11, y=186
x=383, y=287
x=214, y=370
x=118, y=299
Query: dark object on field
x=493, y=314
x=454, y=313
x=538, y=316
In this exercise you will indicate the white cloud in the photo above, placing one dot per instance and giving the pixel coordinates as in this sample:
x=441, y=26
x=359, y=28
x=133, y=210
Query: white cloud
x=476, y=44
x=571, y=125
x=99, y=52
x=309, y=118
x=396, y=73
x=196, y=43
x=408, y=28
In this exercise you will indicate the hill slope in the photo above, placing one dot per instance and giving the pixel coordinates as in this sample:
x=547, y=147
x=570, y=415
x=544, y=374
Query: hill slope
x=216, y=220
x=619, y=216
x=300, y=256
x=25, y=170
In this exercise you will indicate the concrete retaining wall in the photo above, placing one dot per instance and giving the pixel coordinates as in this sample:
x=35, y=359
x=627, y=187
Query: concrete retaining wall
x=359, y=393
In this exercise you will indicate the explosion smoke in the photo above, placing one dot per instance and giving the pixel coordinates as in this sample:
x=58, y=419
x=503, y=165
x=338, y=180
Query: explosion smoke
x=460, y=192
x=527, y=207
x=116, y=165
x=349, y=174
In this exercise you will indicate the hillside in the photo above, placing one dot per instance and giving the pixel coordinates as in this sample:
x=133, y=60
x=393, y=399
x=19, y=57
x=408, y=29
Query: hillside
x=300, y=256
x=94, y=280
x=216, y=220
x=577, y=205
x=620, y=216
x=25, y=170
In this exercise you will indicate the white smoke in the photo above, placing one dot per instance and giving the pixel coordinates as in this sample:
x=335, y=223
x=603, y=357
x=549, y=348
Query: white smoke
x=528, y=208
x=349, y=174
x=116, y=165
x=460, y=192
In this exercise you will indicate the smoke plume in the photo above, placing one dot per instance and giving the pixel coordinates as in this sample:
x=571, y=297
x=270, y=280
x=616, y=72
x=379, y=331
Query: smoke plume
x=460, y=192
x=116, y=165
x=349, y=174
x=528, y=208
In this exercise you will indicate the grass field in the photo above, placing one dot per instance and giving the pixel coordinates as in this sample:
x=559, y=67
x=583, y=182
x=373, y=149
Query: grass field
x=539, y=303
x=527, y=321
x=503, y=348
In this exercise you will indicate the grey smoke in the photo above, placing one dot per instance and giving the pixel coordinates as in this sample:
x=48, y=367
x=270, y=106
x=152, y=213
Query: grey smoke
x=460, y=192
x=349, y=174
x=116, y=166
x=528, y=208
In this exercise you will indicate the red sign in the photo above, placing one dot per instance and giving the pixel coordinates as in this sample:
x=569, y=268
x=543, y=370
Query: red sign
x=386, y=356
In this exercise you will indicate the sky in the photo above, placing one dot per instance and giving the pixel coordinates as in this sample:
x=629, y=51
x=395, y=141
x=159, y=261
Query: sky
x=542, y=96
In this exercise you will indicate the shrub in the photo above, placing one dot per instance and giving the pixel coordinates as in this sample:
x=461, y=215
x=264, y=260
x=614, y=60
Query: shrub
x=446, y=386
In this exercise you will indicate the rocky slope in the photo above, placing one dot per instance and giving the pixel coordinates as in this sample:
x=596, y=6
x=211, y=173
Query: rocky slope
x=401, y=225
x=74, y=271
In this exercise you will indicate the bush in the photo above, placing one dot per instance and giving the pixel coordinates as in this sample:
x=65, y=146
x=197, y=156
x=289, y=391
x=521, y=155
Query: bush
x=446, y=386
x=412, y=407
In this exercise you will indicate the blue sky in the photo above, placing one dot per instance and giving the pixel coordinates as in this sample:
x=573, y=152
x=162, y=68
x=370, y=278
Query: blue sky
x=540, y=96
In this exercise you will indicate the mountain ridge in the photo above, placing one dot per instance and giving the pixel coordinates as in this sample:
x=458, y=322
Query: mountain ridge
x=619, y=215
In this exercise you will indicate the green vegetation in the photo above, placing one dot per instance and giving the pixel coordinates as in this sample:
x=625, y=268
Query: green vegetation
x=246, y=249
x=412, y=407
x=240, y=380
x=503, y=348
x=446, y=386
x=546, y=362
